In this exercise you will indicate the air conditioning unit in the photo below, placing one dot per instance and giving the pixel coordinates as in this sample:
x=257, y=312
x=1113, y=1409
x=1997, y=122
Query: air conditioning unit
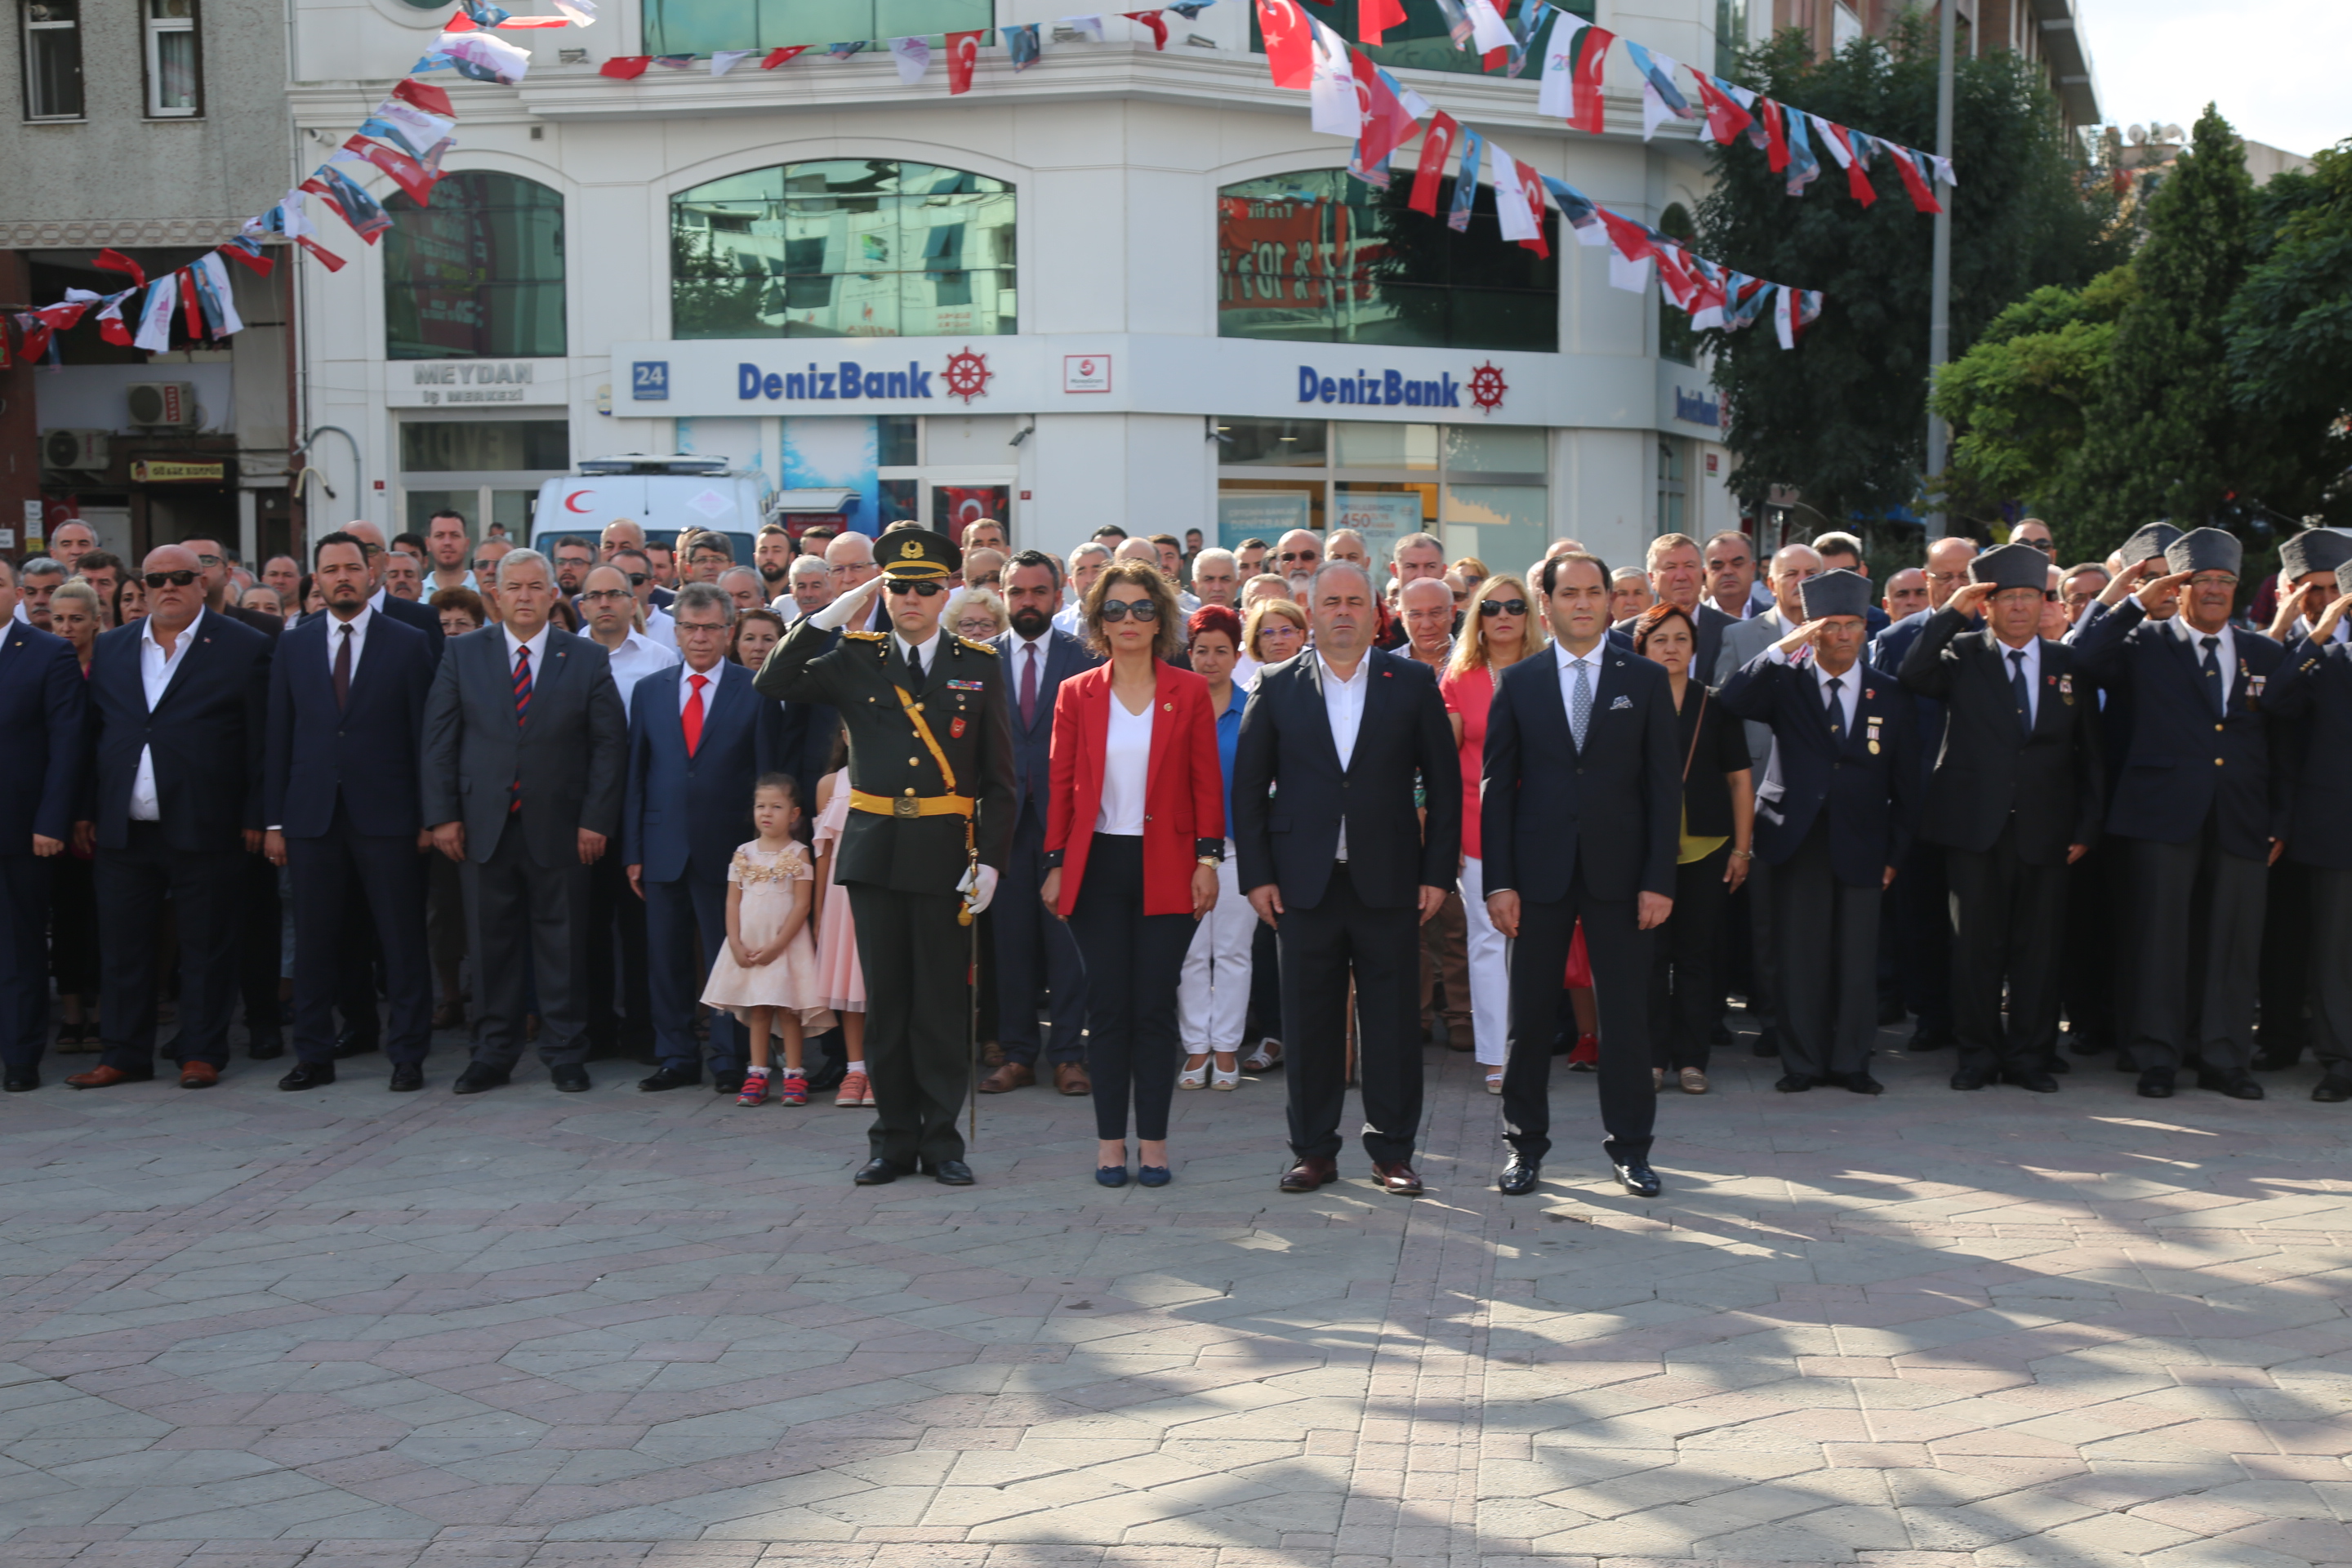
x=73, y=448
x=163, y=404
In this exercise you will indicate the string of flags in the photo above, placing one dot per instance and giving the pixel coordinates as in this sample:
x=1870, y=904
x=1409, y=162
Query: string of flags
x=1024, y=44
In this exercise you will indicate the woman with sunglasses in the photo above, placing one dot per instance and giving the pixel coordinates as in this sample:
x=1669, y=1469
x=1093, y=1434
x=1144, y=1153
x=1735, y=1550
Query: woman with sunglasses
x=1134, y=830
x=1501, y=629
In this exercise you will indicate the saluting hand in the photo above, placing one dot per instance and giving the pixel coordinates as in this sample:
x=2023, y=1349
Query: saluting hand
x=2325, y=626
x=1971, y=600
x=1805, y=635
x=2162, y=591
x=2296, y=602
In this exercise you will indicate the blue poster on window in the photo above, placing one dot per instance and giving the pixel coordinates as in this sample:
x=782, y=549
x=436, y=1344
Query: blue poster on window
x=1259, y=514
x=835, y=454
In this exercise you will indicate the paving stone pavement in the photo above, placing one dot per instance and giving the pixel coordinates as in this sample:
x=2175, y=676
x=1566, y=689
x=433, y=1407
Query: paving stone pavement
x=354, y=1330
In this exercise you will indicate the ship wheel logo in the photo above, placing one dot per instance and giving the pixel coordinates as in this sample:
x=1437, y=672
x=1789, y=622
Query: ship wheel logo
x=967, y=374
x=1488, y=387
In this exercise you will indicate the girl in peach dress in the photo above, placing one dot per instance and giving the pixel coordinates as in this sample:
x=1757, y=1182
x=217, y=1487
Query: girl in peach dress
x=766, y=974
x=840, y=980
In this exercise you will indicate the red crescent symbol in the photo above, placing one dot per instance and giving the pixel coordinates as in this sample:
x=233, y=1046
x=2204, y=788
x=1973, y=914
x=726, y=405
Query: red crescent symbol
x=574, y=496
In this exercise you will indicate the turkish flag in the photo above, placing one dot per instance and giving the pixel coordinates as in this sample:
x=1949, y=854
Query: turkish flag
x=1387, y=124
x=426, y=97
x=1436, y=146
x=1153, y=20
x=963, y=53
x=778, y=56
x=1289, y=52
x=1374, y=17
x=625, y=68
x=1532, y=184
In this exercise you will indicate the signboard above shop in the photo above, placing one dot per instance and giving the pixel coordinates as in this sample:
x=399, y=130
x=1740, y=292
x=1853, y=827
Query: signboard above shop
x=474, y=383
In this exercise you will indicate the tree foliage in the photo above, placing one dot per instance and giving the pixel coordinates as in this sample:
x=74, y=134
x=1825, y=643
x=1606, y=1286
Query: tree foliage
x=2290, y=336
x=1844, y=417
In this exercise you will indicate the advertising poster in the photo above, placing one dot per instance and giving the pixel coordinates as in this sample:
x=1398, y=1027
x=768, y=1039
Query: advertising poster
x=1382, y=517
x=834, y=454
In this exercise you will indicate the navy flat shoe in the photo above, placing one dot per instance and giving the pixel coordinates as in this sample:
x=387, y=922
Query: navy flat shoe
x=1154, y=1176
x=1111, y=1176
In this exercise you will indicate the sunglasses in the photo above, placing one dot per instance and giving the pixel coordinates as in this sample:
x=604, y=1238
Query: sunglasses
x=895, y=588
x=1503, y=607
x=1297, y=555
x=174, y=579
x=2046, y=546
x=1143, y=610
x=638, y=579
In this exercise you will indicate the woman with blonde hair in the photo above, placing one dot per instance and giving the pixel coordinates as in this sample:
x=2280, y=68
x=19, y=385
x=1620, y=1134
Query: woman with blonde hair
x=1504, y=624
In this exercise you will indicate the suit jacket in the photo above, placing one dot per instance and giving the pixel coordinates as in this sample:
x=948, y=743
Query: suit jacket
x=207, y=733
x=1286, y=743
x=365, y=753
x=1032, y=743
x=44, y=712
x=1185, y=784
x=2311, y=699
x=1887, y=650
x=1616, y=805
x=683, y=816
x=570, y=758
x=270, y=626
x=1740, y=644
x=1987, y=770
x=1713, y=624
x=407, y=612
x=1865, y=781
x=2182, y=763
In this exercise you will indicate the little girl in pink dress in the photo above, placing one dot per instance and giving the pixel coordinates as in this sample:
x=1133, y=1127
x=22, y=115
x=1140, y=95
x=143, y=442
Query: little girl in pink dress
x=767, y=975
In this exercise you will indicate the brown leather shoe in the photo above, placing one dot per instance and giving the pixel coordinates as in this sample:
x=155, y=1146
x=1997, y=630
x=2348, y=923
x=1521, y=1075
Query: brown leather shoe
x=1011, y=1075
x=449, y=1016
x=198, y=1075
x=1309, y=1173
x=1398, y=1180
x=1069, y=1078
x=103, y=1076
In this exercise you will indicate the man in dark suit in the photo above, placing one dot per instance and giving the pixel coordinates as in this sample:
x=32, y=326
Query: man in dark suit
x=347, y=694
x=1035, y=952
x=172, y=803
x=2013, y=801
x=1833, y=816
x=1677, y=576
x=2313, y=695
x=2203, y=805
x=1345, y=869
x=1581, y=811
x=700, y=738
x=525, y=760
x=43, y=712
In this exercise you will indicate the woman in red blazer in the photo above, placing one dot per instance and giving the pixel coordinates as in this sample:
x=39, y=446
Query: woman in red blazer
x=1135, y=826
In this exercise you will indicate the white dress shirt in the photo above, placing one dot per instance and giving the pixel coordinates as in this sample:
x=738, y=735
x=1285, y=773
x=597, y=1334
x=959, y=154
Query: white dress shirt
x=1568, y=662
x=359, y=631
x=638, y=656
x=660, y=628
x=155, y=671
x=1245, y=670
x=1127, y=766
x=929, y=648
x=2032, y=652
x=1069, y=620
x=686, y=675
x=1849, y=694
x=538, y=646
x=1343, y=705
x=2226, y=655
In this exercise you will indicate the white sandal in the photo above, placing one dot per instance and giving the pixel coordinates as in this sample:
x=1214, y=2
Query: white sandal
x=1267, y=1057
x=1494, y=1081
x=1220, y=1079
x=1194, y=1077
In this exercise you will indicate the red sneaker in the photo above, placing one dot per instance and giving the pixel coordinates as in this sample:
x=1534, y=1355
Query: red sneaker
x=755, y=1090
x=1586, y=1057
x=855, y=1090
x=793, y=1090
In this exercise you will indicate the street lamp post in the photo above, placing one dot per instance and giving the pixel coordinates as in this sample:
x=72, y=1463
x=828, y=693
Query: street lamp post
x=1940, y=287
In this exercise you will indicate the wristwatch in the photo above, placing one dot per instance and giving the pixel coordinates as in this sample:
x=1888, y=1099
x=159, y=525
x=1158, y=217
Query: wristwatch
x=1209, y=852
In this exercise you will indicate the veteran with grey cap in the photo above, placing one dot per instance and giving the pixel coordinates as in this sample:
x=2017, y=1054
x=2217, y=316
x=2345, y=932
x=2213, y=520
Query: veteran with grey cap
x=2313, y=697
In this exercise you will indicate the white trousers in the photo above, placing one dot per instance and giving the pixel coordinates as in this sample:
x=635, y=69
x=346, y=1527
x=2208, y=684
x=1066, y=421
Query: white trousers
x=1490, y=968
x=1212, y=992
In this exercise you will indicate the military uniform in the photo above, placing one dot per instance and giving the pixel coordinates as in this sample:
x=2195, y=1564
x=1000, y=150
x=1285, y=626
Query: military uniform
x=931, y=779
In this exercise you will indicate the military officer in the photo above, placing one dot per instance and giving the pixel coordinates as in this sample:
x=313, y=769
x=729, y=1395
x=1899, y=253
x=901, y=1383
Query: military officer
x=930, y=822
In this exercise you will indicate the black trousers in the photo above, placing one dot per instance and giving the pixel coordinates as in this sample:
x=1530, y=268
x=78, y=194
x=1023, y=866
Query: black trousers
x=2197, y=930
x=619, y=994
x=528, y=925
x=206, y=889
x=260, y=946
x=1266, y=989
x=25, y=883
x=1320, y=951
x=1685, y=984
x=73, y=926
x=1622, y=956
x=1133, y=962
x=332, y=873
x=918, y=963
x=677, y=968
x=2331, y=932
x=2006, y=918
x=2095, y=978
x=2287, y=965
x=1036, y=954
x=356, y=965
x=1828, y=961
x=1922, y=900
x=1749, y=963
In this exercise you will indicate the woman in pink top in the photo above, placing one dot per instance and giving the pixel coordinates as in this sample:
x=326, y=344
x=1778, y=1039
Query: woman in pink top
x=1500, y=629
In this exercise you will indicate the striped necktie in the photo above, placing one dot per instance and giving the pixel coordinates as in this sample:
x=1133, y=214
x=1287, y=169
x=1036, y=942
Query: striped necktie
x=522, y=713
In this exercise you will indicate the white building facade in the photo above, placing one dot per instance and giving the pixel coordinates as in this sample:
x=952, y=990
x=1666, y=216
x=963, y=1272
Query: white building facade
x=1122, y=285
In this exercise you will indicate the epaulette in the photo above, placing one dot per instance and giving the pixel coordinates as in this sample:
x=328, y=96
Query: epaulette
x=986, y=647
x=865, y=636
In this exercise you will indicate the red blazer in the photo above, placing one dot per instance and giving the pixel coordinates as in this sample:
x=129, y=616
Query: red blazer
x=1184, y=787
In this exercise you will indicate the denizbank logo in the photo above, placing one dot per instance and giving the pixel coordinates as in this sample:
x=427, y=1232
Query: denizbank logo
x=1384, y=388
x=831, y=383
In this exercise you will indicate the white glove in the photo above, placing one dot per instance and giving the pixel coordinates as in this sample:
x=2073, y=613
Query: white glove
x=850, y=606
x=983, y=888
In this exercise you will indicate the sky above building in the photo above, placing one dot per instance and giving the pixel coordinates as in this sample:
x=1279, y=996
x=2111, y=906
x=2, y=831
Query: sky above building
x=2273, y=67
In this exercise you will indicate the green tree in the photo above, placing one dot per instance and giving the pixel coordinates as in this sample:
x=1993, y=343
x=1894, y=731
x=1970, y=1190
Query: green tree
x=2290, y=336
x=1845, y=416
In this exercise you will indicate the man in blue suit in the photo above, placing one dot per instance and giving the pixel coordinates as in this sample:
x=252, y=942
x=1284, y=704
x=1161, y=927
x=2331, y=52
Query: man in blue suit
x=42, y=711
x=1035, y=952
x=171, y=800
x=340, y=792
x=700, y=738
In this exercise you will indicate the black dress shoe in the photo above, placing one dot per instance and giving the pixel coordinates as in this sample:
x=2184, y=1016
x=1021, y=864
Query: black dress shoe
x=21, y=1080
x=2088, y=1045
x=1927, y=1039
x=1520, y=1176
x=2057, y=1064
x=876, y=1173
x=478, y=1078
x=2275, y=1058
x=728, y=1081
x=307, y=1075
x=1637, y=1178
x=2236, y=1085
x=1860, y=1083
x=2155, y=1083
x=2332, y=1089
x=1968, y=1078
x=406, y=1077
x=266, y=1048
x=1768, y=1044
x=352, y=1042
x=1793, y=1083
x=572, y=1079
x=950, y=1172
x=2033, y=1080
x=669, y=1077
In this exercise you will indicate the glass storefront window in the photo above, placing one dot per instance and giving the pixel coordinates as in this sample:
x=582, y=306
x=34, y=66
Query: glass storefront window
x=1370, y=446
x=1266, y=509
x=705, y=27
x=1495, y=448
x=451, y=446
x=1484, y=489
x=847, y=248
x=1271, y=443
x=895, y=441
x=1506, y=526
x=479, y=274
x=418, y=507
x=1672, y=491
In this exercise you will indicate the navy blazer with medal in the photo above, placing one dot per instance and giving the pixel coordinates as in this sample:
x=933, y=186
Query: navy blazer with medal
x=570, y=757
x=685, y=816
x=2185, y=760
x=207, y=733
x=365, y=753
x=1613, y=808
x=1865, y=782
x=2310, y=704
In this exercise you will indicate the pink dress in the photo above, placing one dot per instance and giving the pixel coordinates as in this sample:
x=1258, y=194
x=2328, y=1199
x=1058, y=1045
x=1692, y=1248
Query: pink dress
x=839, y=978
x=788, y=981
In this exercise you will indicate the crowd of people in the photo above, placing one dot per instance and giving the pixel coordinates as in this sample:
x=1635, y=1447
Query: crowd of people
x=874, y=816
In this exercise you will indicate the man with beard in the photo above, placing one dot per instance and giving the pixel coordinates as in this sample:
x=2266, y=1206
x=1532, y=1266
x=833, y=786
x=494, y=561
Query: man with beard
x=771, y=554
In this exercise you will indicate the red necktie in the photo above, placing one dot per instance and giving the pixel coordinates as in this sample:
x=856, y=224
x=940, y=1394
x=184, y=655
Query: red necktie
x=692, y=718
x=1029, y=686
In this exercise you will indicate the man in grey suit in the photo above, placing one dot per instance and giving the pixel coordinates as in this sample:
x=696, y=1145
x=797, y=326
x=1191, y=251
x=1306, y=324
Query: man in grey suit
x=1790, y=567
x=526, y=746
